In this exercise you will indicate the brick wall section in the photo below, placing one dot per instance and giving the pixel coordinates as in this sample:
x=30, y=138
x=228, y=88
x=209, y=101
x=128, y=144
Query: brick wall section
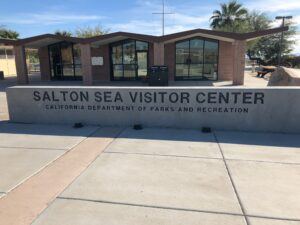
x=159, y=58
x=170, y=59
x=101, y=73
x=239, y=50
x=44, y=63
x=225, y=70
x=151, y=54
x=21, y=67
x=86, y=65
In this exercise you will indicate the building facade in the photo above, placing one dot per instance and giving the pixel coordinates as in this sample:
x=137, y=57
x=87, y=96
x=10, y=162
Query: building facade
x=191, y=55
x=7, y=61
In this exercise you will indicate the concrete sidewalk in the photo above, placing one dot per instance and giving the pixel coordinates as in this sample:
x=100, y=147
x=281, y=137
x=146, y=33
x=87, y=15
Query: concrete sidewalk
x=153, y=176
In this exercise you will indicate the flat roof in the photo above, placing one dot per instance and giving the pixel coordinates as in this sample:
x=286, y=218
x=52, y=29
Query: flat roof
x=47, y=39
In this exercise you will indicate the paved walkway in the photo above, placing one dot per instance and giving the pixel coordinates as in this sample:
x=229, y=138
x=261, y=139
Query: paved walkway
x=57, y=175
x=34, y=79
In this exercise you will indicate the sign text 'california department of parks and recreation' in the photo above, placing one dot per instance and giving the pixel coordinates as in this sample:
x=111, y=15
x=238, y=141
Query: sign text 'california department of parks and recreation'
x=153, y=101
x=267, y=109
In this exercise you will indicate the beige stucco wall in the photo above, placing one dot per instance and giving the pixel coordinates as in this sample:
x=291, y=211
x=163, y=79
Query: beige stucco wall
x=8, y=66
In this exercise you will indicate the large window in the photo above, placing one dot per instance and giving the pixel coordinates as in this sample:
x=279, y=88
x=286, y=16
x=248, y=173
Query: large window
x=197, y=59
x=65, y=61
x=129, y=60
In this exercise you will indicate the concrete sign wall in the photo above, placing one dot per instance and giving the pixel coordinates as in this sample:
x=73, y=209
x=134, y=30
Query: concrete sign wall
x=267, y=109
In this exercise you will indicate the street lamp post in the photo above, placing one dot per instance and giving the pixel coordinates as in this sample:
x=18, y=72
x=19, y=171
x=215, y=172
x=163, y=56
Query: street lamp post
x=283, y=18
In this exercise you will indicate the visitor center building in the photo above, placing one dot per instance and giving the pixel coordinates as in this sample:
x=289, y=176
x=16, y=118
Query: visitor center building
x=194, y=55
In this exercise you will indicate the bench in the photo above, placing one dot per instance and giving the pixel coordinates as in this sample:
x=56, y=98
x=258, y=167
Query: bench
x=264, y=70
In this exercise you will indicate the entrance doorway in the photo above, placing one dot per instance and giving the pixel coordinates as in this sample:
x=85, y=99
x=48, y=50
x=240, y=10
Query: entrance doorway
x=65, y=62
x=129, y=60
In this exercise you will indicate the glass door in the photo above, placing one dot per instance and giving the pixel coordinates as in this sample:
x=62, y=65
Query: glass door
x=129, y=59
x=55, y=61
x=65, y=61
x=197, y=59
x=142, y=63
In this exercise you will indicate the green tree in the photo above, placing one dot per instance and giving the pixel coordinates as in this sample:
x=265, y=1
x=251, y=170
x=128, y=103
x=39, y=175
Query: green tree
x=230, y=18
x=256, y=21
x=268, y=47
x=86, y=32
x=234, y=17
x=64, y=33
x=7, y=33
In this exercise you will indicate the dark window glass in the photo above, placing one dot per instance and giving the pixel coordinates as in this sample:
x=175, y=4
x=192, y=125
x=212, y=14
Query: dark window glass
x=55, y=60
x=129, y=53
x=140, y=45
x=129, y=60
x=210, y=60
x=77, y=54
x=196, y=51
x=129, y=71
x=196, y=70
x=182, y=70
x=182, y=52
x=118, y=71
x=197, y=59
x=65, y=60
x=117, y=54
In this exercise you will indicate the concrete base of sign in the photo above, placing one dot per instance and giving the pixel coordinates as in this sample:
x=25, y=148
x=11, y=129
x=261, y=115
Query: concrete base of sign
x=264, y=109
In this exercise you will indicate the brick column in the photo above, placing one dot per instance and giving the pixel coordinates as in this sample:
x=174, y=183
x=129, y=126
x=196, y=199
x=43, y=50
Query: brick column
x=21, y=67
x=86, y=64
x=239, y=50
x=44, y=64
x=159, y=53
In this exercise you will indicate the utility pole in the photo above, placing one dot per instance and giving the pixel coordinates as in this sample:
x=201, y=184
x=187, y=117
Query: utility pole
x=163, y=13
x=283, y=18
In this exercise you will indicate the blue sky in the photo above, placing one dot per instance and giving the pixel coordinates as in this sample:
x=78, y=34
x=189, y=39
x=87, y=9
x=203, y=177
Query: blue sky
x=33, y=17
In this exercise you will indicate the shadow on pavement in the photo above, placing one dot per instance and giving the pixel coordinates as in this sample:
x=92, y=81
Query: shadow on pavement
x=163, y=134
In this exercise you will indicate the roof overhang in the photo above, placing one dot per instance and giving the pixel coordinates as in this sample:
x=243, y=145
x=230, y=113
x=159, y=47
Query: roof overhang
x=45, y=40
x=118, y=36
x=4, y=41
x=199, y=34
x=257, y=34
x=48, y=39
x=220, y=35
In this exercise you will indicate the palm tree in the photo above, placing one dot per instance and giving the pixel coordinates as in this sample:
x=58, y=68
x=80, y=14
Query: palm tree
x=229, y=18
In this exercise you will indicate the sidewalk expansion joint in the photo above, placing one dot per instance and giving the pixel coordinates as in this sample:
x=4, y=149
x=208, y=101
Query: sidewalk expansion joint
x=274, y=218
x=151, y=206
x=232, y=182
x=262, y=161
x=162, y=155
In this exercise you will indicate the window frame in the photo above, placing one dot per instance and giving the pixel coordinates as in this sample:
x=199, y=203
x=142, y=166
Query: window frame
x=188, y=77
x=122, y=42
x=74, y=65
